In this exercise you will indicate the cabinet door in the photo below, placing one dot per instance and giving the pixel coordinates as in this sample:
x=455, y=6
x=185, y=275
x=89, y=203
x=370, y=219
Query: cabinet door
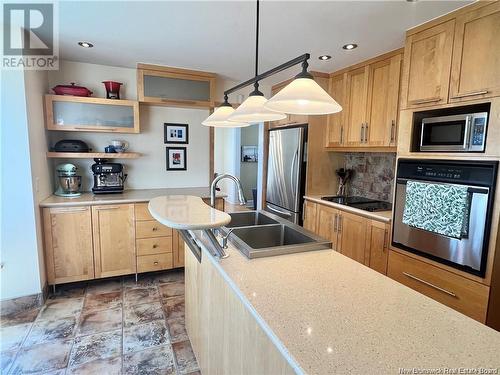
x=335, y=123
x=326, y=224
x=114, y=240
x=178, y=250
x=475, y=69
x=352, y=237
x=310, y=216
x=383, y=96
x=426, y=73
x=357, y=91
x=379, y=238
x=68, y=244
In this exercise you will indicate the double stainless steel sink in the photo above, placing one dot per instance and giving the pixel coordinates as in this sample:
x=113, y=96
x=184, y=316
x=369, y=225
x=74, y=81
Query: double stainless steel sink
x=261, y=234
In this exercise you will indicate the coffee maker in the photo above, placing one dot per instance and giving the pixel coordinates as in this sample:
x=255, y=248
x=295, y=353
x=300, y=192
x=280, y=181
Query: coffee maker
x=108, y=177
x=68, y=183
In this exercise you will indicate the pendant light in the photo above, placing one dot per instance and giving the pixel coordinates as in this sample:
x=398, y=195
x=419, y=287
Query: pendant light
x=252, y=109
x=219, y=118
x=303, y=96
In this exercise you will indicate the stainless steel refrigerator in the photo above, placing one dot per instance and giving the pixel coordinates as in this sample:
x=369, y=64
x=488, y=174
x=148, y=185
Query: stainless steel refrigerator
x=286, y=171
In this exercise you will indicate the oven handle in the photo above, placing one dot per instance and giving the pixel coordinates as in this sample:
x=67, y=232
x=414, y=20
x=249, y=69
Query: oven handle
x=470, y=189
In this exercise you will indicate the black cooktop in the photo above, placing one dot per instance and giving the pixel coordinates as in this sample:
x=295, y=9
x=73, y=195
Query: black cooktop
x=360, y=203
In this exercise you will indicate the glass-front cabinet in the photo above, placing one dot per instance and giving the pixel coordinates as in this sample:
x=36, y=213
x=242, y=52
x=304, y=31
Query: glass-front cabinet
x=75, y=113
x=159, y=85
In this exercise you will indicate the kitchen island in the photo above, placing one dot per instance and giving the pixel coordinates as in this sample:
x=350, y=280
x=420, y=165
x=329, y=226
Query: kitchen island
x=321, y=313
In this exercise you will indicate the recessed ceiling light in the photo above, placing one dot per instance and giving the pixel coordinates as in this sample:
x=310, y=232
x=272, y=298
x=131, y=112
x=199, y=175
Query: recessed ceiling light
x=349, y=46
x=324, y=57
x=85, y=44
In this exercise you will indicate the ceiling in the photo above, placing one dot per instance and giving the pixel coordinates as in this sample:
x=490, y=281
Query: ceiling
x=219, y=36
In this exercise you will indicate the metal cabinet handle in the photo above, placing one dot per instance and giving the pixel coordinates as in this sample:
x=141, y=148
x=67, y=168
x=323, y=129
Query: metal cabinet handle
x=335, y=223
x=339, y=225
x=386, y=245
x=155, y=263
x=68, y=209
x=366, y=132
x=155, y=229
x=467, y=94
x=341, y=134
x=155, y=246
x=423, y=101
x=362, y=132
x=429, y=284
x=393, y=127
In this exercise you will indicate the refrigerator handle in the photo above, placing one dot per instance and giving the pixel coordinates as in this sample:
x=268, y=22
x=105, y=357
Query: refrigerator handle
x=294, y=160
x=278, y=211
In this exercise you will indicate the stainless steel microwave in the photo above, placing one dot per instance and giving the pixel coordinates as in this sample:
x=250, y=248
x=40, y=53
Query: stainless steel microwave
x=457, y=133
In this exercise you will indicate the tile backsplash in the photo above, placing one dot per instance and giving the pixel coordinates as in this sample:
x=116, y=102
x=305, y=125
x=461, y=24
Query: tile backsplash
x=373, y=174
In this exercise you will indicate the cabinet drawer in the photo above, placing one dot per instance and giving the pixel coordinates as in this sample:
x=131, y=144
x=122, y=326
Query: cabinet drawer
x=151, y=228
x=142, y=212
x=157, y=245
x=156, y=262
x=459, y=293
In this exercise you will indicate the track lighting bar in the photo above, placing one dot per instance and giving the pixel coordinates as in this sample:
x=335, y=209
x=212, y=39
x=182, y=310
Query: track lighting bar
x=298, y=60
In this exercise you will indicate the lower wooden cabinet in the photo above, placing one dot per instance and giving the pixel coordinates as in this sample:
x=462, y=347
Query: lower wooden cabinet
x=355, y=236
x=352, y=240
x=113, y=230
x=457, y=292
x=310, y=218
x=68, y=244
x=378, y=235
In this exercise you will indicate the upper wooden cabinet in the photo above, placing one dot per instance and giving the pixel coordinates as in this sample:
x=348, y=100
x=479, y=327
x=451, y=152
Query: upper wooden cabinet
x=68, y=244
x=427, y=65
x=114, y=240
x=175, y=87
x=335, y=121
x=369, y=95
x=357, y=92
x=87, y=114
x=382, y=106
x=475, y=71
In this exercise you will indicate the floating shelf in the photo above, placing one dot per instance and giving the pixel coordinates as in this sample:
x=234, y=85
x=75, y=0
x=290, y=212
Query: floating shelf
x=93, y=155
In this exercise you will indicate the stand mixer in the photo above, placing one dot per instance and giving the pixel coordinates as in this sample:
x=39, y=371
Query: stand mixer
x=68, y=183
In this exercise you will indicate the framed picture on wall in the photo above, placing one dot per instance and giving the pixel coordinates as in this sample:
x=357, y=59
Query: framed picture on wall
x=176, y=158
x=175, y=133
x=249, y=154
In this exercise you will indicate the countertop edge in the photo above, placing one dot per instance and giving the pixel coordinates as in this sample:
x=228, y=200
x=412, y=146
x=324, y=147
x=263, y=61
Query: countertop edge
x=115, y=199
x=260, y=321
x=367, y=214
x=226, y=219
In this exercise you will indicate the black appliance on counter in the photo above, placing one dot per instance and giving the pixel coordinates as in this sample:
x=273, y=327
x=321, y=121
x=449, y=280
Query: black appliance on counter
x=108, y=177
x=361, y=203
x=468, y=253
x=71, y=145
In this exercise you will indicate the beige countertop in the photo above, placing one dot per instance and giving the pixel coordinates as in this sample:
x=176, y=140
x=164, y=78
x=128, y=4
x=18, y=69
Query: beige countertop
x=328, y=314
x=385, y=216
x=186, y=212
x=128, y=196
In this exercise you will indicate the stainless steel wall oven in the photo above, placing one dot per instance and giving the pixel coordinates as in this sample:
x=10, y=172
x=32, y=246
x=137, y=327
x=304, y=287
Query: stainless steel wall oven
x=468, y=253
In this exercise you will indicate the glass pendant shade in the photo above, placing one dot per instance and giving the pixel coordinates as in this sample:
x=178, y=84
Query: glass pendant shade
x=218, y=119
x=303, y=96
x=252, y=110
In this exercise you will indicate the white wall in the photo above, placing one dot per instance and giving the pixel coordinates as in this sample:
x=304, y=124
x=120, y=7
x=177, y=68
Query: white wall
x=20, y=275
x=149, y=171
x=35, y=83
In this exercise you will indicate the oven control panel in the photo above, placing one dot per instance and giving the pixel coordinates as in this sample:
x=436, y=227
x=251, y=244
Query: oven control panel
x=441, y=172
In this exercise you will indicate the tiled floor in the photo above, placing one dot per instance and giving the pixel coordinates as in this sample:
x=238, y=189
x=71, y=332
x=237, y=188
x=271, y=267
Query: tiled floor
x=112, y=326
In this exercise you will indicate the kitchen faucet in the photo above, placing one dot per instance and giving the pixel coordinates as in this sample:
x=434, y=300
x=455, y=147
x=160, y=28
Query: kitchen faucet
x=213, y=187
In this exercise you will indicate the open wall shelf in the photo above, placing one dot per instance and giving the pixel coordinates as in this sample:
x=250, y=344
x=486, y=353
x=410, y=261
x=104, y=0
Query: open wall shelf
x=93, y=155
